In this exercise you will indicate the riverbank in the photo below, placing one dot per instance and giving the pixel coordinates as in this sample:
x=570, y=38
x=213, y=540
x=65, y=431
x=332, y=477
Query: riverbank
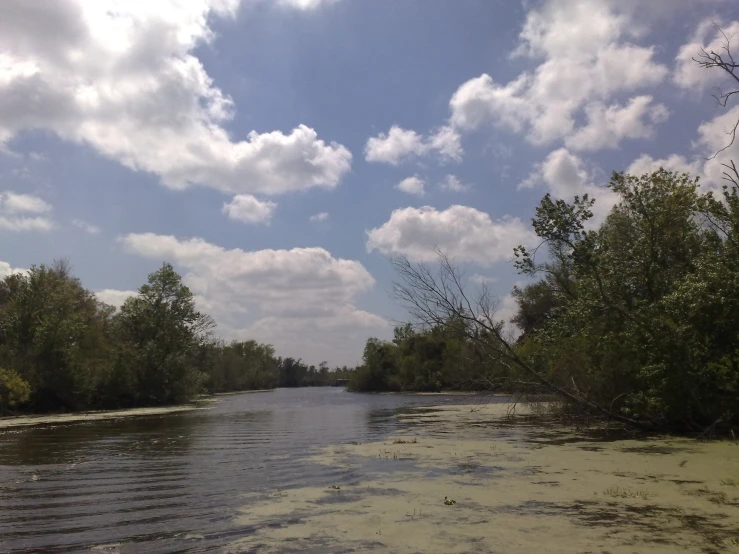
x=231, y=393
x=512, y=484
x=101, y=415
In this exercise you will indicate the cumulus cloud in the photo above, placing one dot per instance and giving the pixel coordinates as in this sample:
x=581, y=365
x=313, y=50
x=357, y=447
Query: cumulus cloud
x=412, y=185
x=6, y=269
x=305, y=5
x=564, y=175
x=86, y=227
x=675, y=162
x=247, y=209
x=400, y=145
x=715, y=139
x=688, y=74
x=713, y=146
x=18, y=213
x=451, y=183
x=115, y=297
x=123, y=78
x=586, y=58
x=266, y=293
x=464, y=233
x=11, y=202
x=322, y=216
x=607, y=126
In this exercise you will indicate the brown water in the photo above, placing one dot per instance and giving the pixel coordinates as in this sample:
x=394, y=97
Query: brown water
x=174, y=483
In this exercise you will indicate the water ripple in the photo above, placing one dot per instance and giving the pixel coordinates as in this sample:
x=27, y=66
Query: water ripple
x=173, y=483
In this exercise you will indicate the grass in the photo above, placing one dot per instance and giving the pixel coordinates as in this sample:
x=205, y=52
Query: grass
x=618, y=492
x=712, y=496
x=730, y=482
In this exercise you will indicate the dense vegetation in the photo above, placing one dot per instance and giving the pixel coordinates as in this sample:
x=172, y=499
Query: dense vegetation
x=62, y=349
x=637, y=318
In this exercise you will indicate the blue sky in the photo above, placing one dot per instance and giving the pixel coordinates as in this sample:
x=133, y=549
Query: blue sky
x=277, y=151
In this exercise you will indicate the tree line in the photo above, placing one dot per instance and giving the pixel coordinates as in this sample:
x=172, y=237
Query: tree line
x=61, y=349
x=636, y=318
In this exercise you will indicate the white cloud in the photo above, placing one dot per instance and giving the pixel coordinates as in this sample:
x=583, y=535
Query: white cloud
x=715, y=139
x=465, y=233
x=115, y=297
x=322, y=216
x=6, y=269
x=447, y=142
x=688, y=74
x=451, y=183
x=305, y=5
x=400, y=145
x=14, y=210
x=506, y=309
x=564, y=175
x=123, y=78
x=480, y=279
x=86, y=227
x=246, y=208
x=713, y=148
x=412, y=185
x=20, y=224
x=675, y=162
x=11, y=202
x=586, y=57
x=607, y=126
x=281, y=292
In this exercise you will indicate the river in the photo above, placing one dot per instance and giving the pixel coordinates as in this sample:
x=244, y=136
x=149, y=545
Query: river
x=175, y=482
x=325, y=471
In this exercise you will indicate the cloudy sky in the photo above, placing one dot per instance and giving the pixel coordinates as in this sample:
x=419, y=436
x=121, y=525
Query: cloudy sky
x=277, y=151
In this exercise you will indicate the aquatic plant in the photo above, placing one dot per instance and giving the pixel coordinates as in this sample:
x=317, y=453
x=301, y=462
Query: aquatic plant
x=618, y=492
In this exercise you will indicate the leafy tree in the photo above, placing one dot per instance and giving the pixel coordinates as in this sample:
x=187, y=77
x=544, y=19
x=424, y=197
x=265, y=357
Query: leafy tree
x=14, y=390
x=161, y=335
x=53, y=330
x=650, y=325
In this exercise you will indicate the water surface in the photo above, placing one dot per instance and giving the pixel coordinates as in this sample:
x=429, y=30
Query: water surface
x=174, y=483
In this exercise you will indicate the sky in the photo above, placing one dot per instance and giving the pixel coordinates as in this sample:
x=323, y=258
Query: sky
x=279, y=152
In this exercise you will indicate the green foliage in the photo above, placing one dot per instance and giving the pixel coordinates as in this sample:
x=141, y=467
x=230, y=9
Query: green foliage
x=53, y=335
x=161, y=335
x=640, y=314
x=14, y=390
x=241, y=366
x=62, y=349
x=431, y=360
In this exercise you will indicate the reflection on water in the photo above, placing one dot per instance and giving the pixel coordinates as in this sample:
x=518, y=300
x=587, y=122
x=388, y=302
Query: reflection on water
x=172, y=483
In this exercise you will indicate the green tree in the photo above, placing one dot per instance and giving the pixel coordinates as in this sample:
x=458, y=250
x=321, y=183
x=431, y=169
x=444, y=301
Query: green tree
x=162, y=335
x=649, y=322
x=14, y=390
x=54, y=336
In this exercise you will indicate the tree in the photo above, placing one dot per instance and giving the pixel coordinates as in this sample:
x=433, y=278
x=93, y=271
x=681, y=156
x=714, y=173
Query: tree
x=441, y=299
x=723, y=60
x=379, y=371
x=650, y=327
x=54, y=332
x=161, y=335
x=14, y=390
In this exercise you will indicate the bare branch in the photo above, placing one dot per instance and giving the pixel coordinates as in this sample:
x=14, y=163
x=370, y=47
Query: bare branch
x=723, y=60
x=440, y=299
